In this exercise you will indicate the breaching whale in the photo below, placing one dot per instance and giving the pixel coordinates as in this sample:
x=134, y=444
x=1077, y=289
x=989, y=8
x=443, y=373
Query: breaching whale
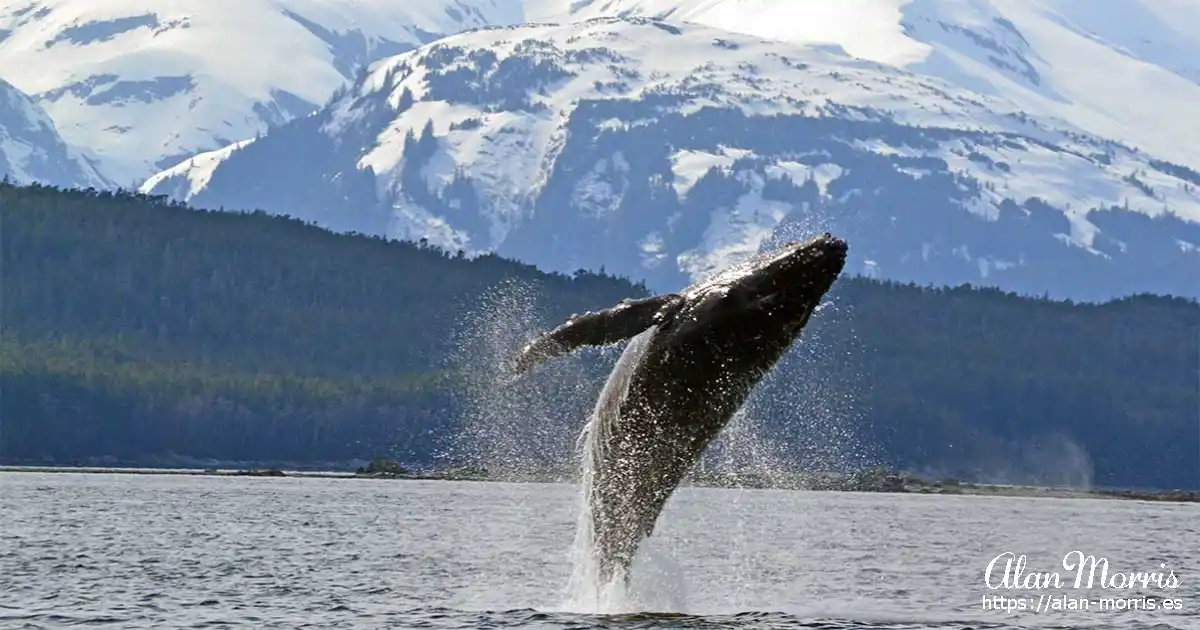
x=699, y=354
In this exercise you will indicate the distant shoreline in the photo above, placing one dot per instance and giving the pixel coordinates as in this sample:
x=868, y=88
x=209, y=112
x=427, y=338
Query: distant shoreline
x=910, y=486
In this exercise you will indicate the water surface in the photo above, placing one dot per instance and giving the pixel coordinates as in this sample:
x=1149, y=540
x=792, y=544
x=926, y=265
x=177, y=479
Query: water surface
x=158, y=551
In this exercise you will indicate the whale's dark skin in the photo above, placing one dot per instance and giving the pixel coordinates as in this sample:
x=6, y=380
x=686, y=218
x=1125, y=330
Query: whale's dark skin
x=707, y=348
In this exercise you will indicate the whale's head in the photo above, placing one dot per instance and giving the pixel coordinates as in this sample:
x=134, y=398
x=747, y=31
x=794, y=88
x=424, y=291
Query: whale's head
x=783, y=285
x=763, y=302
x=791, y=280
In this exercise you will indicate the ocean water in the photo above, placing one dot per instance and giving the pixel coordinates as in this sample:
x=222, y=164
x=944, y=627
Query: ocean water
x=159, y=551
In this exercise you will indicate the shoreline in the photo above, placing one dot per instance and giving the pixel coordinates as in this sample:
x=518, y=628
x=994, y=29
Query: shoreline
x=908, y=486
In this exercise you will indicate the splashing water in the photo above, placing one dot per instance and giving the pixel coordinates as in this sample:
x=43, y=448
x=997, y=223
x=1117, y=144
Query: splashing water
x=801, y=421
x=515, y=429
x=586, y=591
x=758, y=448
x=521, y=428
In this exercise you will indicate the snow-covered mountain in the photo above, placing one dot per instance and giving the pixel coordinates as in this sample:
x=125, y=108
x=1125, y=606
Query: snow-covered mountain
x=31, y=151
x=1126, y=70
x=1099, y=96
x=663, y=151
x=147, y=84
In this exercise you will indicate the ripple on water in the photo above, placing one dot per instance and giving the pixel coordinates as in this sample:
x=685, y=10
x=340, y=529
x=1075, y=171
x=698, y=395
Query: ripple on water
x=165, y=552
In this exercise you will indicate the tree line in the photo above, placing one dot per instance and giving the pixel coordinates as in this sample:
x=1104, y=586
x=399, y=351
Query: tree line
x=141, y=330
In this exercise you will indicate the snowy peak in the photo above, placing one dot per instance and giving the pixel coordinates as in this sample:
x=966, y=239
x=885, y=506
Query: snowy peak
x=867, y=29
x=146, y=85
x=547, y=69
x=1086, y=63
x=665, y=151
x=31, y=149
x=973, y=31
x=1089, y=63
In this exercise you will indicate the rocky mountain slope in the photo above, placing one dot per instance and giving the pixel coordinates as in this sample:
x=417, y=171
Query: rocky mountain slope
x=31, y=149
x=663, y=151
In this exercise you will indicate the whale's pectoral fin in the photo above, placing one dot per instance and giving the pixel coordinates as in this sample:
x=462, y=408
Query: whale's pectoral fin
x=599, y=328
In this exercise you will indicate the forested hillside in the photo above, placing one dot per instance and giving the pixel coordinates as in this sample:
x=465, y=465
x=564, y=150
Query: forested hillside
x=143, y=331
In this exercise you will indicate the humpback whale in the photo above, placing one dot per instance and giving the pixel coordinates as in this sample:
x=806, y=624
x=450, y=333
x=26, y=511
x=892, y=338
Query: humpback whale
x=697, y=356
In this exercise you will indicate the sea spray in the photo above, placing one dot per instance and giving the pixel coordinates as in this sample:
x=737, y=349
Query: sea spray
x=805, y=417
x=515, y=428
x=586, y=592
x=798, y=409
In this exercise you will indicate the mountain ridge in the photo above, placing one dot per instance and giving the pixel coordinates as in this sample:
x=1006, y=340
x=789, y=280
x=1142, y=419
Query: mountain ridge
x=116, y=75
x=146, y=86
x=1103, y=164
x=488, y=140
x=32, y=150
x=1062, y=58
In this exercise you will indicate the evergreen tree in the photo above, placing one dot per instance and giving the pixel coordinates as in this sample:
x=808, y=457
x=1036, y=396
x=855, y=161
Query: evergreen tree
x=136, y=328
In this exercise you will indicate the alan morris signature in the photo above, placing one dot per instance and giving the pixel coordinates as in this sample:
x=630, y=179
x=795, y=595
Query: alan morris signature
x=1077, y=564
